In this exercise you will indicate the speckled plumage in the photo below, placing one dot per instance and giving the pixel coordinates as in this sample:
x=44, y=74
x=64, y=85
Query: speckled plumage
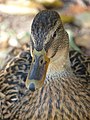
x=14, y=94
x=63, y=96
x=12, y=79
x=55, y=101
x=80, y=64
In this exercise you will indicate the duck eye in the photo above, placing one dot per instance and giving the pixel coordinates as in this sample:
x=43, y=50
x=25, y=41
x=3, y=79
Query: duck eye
x=54, y=35
x=41, y=61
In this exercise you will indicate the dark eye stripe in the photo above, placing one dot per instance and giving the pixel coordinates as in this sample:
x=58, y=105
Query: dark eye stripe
x=48, y=44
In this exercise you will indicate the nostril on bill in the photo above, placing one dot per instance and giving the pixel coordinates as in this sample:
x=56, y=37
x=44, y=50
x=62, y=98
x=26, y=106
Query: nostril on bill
x=32, y=87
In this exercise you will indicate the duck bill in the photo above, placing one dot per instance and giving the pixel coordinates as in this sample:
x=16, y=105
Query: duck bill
x=38, y=70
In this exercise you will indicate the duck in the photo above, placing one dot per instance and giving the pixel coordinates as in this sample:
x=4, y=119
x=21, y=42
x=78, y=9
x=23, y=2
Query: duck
x=54, y=92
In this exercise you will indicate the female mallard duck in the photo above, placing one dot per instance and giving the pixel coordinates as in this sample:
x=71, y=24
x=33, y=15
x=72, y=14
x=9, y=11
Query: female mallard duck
x=58, y=93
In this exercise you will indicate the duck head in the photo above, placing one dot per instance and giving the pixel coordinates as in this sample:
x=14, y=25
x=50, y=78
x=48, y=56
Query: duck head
x=47, y=39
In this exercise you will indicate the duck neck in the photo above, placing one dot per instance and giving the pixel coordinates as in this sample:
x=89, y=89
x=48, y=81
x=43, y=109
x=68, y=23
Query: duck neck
x=60, y=64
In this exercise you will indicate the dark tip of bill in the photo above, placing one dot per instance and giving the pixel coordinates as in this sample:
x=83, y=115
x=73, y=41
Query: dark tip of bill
x=32, y=87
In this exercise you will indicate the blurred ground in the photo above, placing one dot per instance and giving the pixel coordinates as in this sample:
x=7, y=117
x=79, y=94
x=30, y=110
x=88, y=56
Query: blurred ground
x=16, y=16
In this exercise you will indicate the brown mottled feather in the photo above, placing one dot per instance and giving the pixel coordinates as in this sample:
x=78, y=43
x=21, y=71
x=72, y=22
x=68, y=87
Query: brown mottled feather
x=63, y=98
